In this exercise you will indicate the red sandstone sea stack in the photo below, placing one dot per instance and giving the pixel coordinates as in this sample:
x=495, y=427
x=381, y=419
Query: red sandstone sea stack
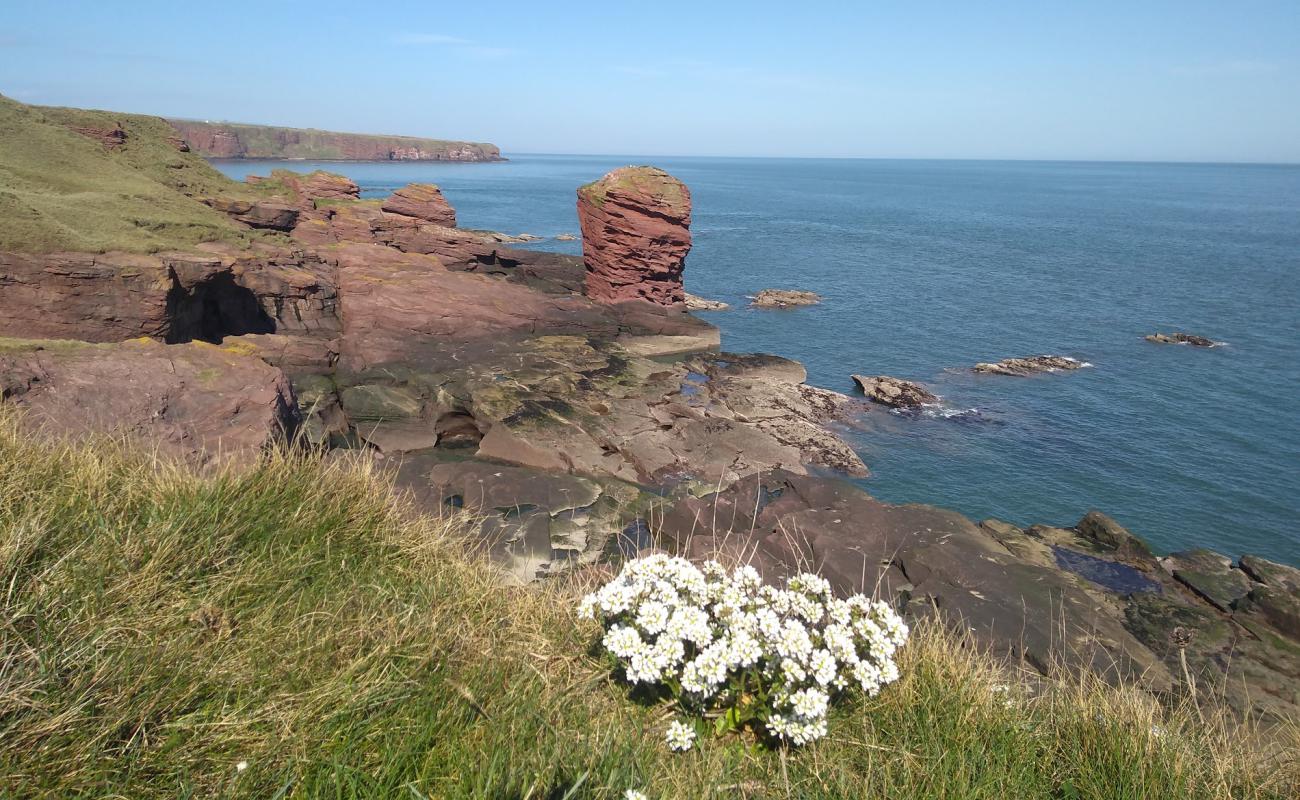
x=635, y=235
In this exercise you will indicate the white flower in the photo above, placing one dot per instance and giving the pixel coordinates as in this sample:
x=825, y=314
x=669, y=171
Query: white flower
x=633, y=794
x=794, y=641
x=680, y=736
x=809, y=703
x=241, y=766
x=653, y=617
x=744, y=651
x=699, y=630
x=623, y=641
x=823, y=666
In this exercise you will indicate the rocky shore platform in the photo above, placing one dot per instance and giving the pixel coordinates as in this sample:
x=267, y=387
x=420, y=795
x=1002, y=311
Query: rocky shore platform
x=579, y=409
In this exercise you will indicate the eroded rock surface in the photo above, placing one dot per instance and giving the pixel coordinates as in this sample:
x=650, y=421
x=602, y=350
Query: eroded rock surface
x=197, y=402
x=423, y=201
x=635, y=235
x=535, y=523
x=894, y=392
x=175, y=297
x=1030, y=365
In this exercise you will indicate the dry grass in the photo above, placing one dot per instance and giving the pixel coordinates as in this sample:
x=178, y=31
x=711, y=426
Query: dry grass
x=158, y=628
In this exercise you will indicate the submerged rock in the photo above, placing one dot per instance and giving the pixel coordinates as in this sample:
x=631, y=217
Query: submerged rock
x=894, y=392
x=785, y=298
x=635, y=235
x=1030, y=365
x=1180, y=338
x=697, y=303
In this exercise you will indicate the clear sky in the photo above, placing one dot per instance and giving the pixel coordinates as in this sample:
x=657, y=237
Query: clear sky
x=1199, y=80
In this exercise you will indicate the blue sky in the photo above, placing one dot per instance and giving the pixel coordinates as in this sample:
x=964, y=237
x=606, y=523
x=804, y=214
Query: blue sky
x=1181, y=81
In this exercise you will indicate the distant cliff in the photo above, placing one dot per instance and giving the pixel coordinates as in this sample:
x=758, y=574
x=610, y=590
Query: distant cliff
x=230, y=140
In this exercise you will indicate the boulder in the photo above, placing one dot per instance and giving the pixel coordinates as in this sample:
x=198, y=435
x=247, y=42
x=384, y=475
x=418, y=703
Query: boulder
x=635, y=235
x=1109, y=536
x=1180, y=338
x=197, y=402
x=1030, y=365
x=894, y=392
x=422, y=201
x=269, y=214
x=785, y=298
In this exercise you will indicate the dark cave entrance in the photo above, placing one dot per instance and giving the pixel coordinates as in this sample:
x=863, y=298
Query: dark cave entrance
x=213, y=309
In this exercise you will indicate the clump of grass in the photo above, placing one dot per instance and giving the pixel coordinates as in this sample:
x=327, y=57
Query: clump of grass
x=159, y=628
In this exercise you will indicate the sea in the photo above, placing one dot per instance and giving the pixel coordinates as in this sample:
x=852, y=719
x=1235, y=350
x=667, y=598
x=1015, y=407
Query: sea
x=929, y=267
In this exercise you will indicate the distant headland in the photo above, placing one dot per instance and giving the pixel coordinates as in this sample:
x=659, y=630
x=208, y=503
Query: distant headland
x=238, y=140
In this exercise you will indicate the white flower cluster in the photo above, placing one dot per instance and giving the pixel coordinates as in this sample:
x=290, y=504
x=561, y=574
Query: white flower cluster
x=714, y=635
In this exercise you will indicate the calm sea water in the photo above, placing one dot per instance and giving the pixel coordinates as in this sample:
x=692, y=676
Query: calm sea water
x=929, y=267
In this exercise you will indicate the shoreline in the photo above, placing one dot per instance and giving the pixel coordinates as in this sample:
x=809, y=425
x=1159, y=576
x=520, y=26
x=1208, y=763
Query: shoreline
x=547, y=392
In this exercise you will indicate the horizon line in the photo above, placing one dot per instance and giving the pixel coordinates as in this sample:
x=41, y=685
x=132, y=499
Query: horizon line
x=1013, y=159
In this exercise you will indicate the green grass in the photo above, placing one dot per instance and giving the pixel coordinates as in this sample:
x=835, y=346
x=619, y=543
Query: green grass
x=60, y=190
x=158, y=628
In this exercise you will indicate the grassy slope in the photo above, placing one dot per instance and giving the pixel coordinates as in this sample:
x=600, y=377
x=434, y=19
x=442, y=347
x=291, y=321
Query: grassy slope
x=60, y=190
x=159, y=628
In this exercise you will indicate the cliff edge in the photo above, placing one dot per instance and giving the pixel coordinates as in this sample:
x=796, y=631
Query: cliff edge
x=233, y=140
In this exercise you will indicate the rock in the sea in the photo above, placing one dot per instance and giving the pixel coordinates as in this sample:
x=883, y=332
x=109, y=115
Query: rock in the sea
x=1180, y=338
x=1030, y=365
x=423, y=201
x=635, y=235
x=697, y=303
x=894, y=392
x=202, y=403
x=566, y=237
x=785, y=298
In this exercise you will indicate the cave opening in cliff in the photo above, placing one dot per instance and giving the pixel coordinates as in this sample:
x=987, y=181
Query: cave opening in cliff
x=213, y=309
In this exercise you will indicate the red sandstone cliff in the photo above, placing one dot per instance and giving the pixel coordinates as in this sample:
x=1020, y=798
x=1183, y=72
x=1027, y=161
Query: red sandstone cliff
x=231, y=140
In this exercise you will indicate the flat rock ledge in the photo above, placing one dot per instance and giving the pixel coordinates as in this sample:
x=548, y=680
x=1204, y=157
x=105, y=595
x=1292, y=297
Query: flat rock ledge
x=784, y=298
x=1180, y=338
x=894, y=392
x=697, y=303
x=1030, y=365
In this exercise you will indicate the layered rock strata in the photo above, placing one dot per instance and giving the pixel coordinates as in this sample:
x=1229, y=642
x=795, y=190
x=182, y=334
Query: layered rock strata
x=232, y=140
x=635, y=235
